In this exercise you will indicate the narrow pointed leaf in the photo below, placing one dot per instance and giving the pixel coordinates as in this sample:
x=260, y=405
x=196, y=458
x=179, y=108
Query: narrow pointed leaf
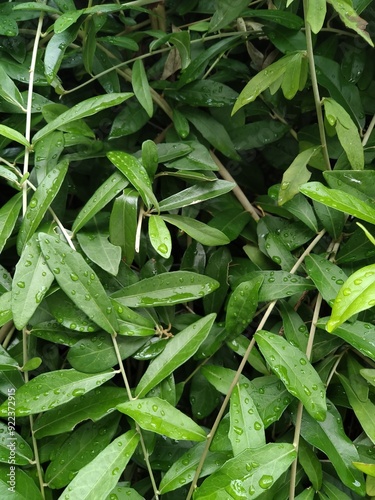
x=159, y=416
x=160, y=236
x=123, y=223
x=294, y=369
x=100, y=476
x=246, y=427
x=13, y=135
x=327, y=277
x=355, y=295
x=40, y=202
x=32, y=280
x=141, y=88
x=351, y=19
x=5, y=308
x=166, y=289
x=137, y=175
x=79, y=282
x=22, y=454
x=329, y=437
x=8, y=218
x=7, y=363
x=85, y=108
x=248, y=474
x=178, y=350
x=52, y=389
x=339, y=200
x=182, y=471
x=198, y=230
x=316, y=13
x=102, y=196
x=9, y=91
x=295, y=175
x=196, y=194
x=242, y=306
x=25, y=487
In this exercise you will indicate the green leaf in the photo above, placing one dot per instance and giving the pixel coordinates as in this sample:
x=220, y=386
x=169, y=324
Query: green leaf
x=93, y=405
x=9, y=91
x=316, y=13
x=150, y=157
x=182, y=470
x=47, y=152
x=347, y=132
x=94, y=242
x=141, y=87
x=294, y=78
x=165, y=289
x=79, y=282
x=329, y=437
x=355, y=295
x=295, y=175
x=32, y=279
x=295, y=329
x=52, y=389
x=351, y=19
x=262, y=81
x=66, y=20
x=14, y=135
x=198, y=230
x=279, y=252
x=8, y=217
x=226, y=11
x=360, y=335
x=160, y=236
x=177, y=351
x=294, y=369
x=102, y=196
x=67, y=314
x=217, y=268
x=21, y=452
x=333, y=221
x=212, y=131
x=310, y=463
x=242, y=306
x=246, y=427
x=78, y=449
x=137, y=175
x=5, y=308
x=339, y=200
x=327, y=277
x=196, y=194
x=123, y=223
x=100, y=476
x=207, y=93
x=24, y=488
x=249, y=473
x=85, y=108
x=159, y=416
x=7, y=363
x=40, y=202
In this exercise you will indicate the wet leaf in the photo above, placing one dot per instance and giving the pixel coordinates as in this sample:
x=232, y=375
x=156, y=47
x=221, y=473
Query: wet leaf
x=40, y=202
x=141, y=87
x=25, y=487
x=52, y=389
x=13, y=135
x=315, y=15
x=159, y=416
x=9, y=91
x=295, y=175
x=160, y=236
x=8, y=218
x=327, y=277
x=123, y=223
x=294, y=369
x=101, y=475
x=351, y=19
x=178, y=350
x=251, y=471
x=22, y=454
x=355, y=295
x=198, y=230
x=79, y=281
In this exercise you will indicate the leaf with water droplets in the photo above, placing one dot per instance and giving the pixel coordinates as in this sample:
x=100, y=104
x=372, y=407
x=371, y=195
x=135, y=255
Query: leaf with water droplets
x=249, y=474
x=8, y=218
x=98, y=478
x=102, y=196
x=165, y=289
x=355, y=295
x=141, y=87
x=48, y=390
x=339, y=200
x=21, y=452
x=9, y=92
x=93, y=405
x=315, y=14
x=73, y=274
x=32, y=280
x=295, y=371
x=199, y=231
x=13, y=135
x=327, y=277
x=7, y=363
x=351, y=19
x=160, y=236
x=5, y=308
x=242, y=306
x=182, y=470
x=123, y=223
x=295, y=175
x=85, y=108
x=25, y=486
x=86, y=442
x=178, y=350
x=330, y=438
x=159, y=416
x=40, y=202
x=137, y=175
x=246, y=427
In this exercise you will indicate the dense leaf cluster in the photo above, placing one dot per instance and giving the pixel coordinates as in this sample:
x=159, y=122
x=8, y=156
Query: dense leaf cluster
x=187, y=278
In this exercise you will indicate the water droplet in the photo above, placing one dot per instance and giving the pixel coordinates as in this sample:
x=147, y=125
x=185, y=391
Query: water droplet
x=78, y=392
x=265, y=482
x=21, y=284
